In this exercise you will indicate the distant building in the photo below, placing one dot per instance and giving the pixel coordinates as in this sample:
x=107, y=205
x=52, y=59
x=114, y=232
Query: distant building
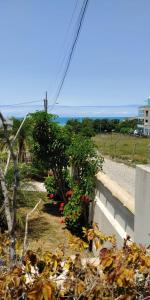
x=144, y=118
x=8, y=122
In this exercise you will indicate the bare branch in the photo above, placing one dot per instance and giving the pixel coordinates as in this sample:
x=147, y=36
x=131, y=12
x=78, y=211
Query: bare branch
x=26, y=226
x=13, y=141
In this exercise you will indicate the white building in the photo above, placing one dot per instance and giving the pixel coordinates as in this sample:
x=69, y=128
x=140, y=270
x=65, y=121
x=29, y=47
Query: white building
x=144, y=118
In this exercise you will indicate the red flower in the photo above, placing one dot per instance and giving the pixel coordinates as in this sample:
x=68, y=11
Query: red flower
x=69, y=193
x=84, y=198
x=51, y=196
x=61, y=206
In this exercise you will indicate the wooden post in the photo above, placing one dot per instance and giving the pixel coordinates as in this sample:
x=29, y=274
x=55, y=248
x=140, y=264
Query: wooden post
x=45, y=103
x=148, y=154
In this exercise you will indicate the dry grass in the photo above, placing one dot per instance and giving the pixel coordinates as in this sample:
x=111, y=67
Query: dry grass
x=45, y=231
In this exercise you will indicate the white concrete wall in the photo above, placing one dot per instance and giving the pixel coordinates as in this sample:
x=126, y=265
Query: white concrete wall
x=142, y=205
x=113, y=209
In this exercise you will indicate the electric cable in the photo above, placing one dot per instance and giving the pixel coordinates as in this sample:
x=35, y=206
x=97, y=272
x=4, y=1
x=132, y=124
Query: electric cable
x=60, y=61
x=77, y=33
x=20, y=104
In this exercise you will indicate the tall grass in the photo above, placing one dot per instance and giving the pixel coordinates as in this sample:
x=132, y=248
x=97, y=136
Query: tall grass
x=130, y=149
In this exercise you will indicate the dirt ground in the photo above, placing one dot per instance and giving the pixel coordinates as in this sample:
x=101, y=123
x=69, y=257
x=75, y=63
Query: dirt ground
x=46, y=230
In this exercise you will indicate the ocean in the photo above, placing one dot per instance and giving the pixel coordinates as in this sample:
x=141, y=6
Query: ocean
x=63, y=120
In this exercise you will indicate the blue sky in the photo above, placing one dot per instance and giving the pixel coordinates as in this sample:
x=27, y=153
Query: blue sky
x=111, y=64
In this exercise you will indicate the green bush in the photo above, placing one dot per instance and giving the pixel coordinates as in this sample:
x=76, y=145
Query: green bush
x=125, y=130
x=50, y=184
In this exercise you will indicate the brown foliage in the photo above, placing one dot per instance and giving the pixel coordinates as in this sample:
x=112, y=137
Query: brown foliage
x=122, y=274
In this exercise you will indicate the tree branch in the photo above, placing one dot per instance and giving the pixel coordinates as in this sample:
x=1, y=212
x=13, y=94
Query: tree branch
x=13, y=141
x=26, y=226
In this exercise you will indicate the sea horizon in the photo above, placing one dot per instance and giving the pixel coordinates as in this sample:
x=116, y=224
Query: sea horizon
x=64, y=112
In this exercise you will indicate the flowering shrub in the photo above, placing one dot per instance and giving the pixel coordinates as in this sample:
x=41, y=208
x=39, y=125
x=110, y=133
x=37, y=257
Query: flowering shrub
x=61, y=206
x=85, y=163
x=69, y=193
x=85, y=198
x=51, y=196
x=73, y=212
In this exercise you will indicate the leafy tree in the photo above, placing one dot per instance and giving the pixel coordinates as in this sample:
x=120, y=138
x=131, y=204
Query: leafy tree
x=50, y=142
x=129, y=124
x=85, y=161
x=74, y=125
x=87, y=127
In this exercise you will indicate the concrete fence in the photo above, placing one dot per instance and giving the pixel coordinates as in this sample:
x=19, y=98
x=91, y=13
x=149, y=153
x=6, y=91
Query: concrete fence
x=117, y=212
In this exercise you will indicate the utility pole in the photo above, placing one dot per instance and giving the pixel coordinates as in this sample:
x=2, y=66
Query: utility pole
x=45, y=103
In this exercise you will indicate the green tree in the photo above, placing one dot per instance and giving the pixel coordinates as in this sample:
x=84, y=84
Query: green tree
x=85, y=161
x=87, y=127
x=50, y=142
x=74, y=126
x=128, y=124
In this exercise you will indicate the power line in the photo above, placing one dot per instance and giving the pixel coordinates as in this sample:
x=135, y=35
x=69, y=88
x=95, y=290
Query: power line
x=67, y=32
x=76, y=36
x=61, y=59
x=20, y=104
x=77, y=33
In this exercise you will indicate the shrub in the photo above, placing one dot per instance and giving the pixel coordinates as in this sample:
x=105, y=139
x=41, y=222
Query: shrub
x=50, y=184
x=125, y=130
x=75, y=211
x=85, y=163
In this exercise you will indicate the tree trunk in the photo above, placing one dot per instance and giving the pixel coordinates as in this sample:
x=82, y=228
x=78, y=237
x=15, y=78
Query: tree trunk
x=11, y=218
x=59, y=183
x=6, y=201
x=21, y=150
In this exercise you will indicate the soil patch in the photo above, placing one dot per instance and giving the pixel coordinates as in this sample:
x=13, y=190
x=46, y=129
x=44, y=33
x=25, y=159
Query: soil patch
x=46, y=230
